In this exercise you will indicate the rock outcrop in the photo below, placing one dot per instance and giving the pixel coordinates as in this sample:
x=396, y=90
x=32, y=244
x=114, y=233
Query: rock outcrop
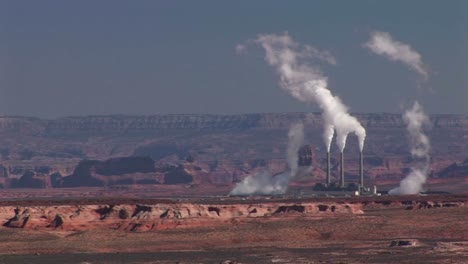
x=153, y=217
x=167, y=214
x=93, y=172
x=29, y=180
x=404, y=243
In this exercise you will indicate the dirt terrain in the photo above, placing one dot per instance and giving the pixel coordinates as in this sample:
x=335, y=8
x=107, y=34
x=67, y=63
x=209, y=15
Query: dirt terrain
x=386, y=229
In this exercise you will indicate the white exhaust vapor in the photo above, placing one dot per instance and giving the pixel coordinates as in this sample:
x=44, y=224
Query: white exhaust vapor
x=328, y=133
x=264, y=183
x=382, y=43
x=295, y=141
x=307, y=84
x=416, y=119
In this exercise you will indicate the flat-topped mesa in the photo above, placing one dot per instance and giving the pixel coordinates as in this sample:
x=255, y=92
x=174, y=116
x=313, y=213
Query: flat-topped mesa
x=123, y=124
x=138, y=217
x=160, y=215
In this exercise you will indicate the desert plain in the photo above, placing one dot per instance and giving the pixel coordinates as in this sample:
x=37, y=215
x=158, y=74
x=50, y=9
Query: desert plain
x=118, y=228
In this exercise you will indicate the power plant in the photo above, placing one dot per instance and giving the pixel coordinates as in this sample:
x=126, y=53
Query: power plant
x=307, y=84
x=341, y=179
x=306, y=156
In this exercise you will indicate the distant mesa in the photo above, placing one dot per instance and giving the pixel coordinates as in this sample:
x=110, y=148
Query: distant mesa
x=457, y=169
x=209, y=149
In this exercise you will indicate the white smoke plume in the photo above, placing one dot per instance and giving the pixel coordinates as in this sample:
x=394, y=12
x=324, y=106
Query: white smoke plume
x=416, y=119
x=264, y=183
x=295, y=141
x=307, y=84
x=383, y=44
x=328, y=133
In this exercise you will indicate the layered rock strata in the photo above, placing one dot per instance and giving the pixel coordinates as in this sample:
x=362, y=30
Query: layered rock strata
x=141, y=217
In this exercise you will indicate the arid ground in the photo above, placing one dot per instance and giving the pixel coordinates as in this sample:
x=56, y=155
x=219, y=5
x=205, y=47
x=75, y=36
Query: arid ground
x=386, y=229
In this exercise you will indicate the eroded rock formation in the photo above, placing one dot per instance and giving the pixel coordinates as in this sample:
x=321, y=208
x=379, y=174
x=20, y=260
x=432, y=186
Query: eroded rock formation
x=147, y=217
x=167, y=215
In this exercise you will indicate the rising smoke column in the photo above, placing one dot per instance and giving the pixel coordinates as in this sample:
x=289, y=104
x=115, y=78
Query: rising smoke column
x=295, y=141
x=307, y=84
x=264, y=183
x=416, y=119
x=328, y=132
x=382, y=43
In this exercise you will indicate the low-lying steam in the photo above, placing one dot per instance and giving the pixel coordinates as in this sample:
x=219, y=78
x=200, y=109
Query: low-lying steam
x=264, y=183
x=307, y=84
x=383, y=44
x=416, y=119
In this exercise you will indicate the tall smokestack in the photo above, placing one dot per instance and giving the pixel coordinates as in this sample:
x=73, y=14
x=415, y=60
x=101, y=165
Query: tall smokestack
x=342, y=169
x=361, y=169
x=328, y=168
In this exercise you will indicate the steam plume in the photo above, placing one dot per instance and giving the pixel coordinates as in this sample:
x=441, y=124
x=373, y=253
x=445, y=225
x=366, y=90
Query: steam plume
x=307, y=84
x=415, y=118
x=383, y=44
x=296, y=140
x=328, y=132
x=264, y=183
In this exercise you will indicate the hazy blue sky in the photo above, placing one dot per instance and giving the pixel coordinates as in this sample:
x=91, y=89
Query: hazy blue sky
x=61, y=58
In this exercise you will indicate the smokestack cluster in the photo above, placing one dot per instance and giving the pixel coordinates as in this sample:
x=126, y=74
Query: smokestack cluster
x=342, y=170
x=307, y=84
